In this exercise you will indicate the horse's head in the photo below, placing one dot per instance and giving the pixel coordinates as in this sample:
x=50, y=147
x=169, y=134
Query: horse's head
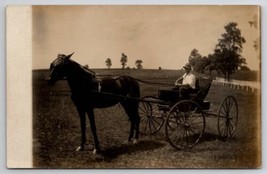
x=57, y=68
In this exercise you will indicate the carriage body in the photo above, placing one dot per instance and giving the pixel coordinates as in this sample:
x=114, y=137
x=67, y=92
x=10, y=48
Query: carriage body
x=172, y=96
x=185, y=120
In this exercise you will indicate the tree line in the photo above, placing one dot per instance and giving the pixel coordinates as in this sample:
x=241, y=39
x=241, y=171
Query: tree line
x=124, y=60
x=225, y=59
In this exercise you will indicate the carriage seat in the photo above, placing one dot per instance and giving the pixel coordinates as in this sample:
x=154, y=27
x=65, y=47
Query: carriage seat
x=172, y=96
x=203, y=85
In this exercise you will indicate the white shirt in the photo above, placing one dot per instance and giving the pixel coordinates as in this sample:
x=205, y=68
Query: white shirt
x=189, y=79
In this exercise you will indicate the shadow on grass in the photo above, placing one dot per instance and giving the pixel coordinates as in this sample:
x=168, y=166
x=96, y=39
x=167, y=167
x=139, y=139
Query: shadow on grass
x=212, y=137
x=145, y=145
x=209, y=137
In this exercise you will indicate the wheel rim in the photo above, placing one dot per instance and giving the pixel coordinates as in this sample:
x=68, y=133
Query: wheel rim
x=227, y=117
x=185, y=125
x=151, y=119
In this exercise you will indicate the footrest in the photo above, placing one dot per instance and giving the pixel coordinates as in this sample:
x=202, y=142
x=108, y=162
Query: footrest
x=205, y=105
x=171, y=96
x=164, y=107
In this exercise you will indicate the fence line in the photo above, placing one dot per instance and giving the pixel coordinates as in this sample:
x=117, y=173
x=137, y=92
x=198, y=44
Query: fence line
x=238, y=84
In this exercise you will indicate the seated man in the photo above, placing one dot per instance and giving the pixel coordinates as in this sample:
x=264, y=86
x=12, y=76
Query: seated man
x=186, y=83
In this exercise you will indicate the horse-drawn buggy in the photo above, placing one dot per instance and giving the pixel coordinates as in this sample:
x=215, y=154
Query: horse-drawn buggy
x=185, y=120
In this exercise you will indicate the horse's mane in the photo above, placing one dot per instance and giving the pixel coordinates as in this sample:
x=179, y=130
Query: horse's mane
x=87, y=70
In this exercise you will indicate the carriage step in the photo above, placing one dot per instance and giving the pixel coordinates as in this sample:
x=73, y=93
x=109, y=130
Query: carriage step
x=164, y=107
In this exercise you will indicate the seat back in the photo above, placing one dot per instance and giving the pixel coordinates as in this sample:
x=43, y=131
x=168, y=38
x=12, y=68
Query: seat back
x=203, y=85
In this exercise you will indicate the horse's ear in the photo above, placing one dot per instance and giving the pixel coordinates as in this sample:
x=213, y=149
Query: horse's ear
x=69, y=56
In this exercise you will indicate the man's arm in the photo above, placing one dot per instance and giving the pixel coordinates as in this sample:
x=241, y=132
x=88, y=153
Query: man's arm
x=183, y=85
x=179, y=81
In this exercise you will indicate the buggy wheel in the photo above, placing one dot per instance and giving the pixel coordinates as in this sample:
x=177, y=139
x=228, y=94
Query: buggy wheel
x=151, y=119
x=227, y=117
x=185, y=124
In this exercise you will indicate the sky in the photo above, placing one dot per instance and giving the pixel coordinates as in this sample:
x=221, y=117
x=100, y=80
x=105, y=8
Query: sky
x=161, y=36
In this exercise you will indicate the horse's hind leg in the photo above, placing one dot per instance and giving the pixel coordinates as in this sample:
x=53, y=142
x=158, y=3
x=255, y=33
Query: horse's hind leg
x=91, y=116
x=131, y=131
x=83, y=130
x=136, y=125
x=131, y=110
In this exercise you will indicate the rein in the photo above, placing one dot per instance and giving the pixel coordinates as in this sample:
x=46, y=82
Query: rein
x=152, y=83
x=97, y=76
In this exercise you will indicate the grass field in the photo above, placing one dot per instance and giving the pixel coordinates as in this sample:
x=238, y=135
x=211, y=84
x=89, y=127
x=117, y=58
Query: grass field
x=56, y=131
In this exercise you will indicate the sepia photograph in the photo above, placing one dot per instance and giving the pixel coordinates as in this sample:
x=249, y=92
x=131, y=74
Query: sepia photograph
x=135, y=86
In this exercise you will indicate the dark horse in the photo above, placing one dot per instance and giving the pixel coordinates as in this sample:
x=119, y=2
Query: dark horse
x=88, y=92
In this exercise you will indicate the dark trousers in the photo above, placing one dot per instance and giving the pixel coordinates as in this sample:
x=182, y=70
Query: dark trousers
x=185, y=91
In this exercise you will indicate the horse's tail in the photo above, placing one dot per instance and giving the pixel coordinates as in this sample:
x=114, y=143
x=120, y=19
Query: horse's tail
x=130, y=87
x=134, y=87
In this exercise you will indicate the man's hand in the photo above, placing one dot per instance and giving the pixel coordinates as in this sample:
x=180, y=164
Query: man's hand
x=178, y=84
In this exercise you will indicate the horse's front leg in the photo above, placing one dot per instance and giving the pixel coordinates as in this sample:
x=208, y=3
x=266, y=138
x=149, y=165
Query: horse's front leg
x=91, y=117
x=83, y=130
x=137, y=125
x=131, y=131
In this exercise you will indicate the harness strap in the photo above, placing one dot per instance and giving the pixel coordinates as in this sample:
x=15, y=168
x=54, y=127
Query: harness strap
x=99, y=81
x=99, y=86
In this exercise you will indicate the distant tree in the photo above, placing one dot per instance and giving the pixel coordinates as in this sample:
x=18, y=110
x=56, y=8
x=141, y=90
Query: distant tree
x=254, y=23
x=194, y=57
x=108, y=63
x=198, y=62
x=201, y=64
x=138, y=64
x=229, y=49
x=124, y=60
x=210, y=63
x=160, y=68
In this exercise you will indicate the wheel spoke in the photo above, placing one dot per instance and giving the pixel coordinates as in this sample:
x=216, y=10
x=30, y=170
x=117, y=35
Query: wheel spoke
x=196, y=128
x=187, y=138
x=143, y=109
x=182, y=139
x=143, y=115
x=224, y=109
x=225, y=130
x=194, y=133
x=233, y=112
x=231, y=128
x=223, y=124
x=155, y=120
x=222, y=113
x=176, y=133
x=201, y=122
x=153, y=125
x=146, y=123
x=189, y=110
x=196, y=117
x=149, y=125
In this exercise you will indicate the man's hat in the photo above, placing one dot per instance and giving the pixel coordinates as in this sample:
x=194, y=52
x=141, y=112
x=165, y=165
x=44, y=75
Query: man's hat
x=187, y=66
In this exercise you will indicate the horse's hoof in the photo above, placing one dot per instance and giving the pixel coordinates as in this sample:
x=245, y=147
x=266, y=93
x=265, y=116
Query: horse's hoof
x=96, y=151
x=135, y=141
x=126, y=142
x=80, y=149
